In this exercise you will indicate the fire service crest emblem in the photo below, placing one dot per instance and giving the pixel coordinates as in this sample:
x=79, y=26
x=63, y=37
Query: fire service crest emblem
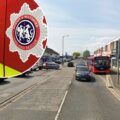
x=27, y=32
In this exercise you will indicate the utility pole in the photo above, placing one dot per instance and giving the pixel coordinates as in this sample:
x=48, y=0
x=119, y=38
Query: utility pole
x=63, y=37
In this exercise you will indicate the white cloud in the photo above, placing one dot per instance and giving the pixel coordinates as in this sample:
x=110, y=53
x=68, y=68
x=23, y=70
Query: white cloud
x=54, y=14
x=80, y=39
x=97, y=29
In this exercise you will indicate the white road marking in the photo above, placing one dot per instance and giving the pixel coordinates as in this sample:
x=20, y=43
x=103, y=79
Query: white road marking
x=63, y=100
x=57, y=115
x=109, y=81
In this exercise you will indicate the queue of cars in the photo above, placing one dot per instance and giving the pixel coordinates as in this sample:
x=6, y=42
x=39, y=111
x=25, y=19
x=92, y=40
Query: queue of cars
x=81, y=71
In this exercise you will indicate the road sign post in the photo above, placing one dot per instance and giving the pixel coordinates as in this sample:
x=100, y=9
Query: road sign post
x=23, y=35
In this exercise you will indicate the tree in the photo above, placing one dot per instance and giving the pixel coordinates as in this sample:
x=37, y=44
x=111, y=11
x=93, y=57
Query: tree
x=76, y=54
x=86, y=54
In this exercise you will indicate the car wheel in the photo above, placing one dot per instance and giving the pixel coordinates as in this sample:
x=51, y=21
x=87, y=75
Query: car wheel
x=2, y=79
x=76, y=78
x=89, y=79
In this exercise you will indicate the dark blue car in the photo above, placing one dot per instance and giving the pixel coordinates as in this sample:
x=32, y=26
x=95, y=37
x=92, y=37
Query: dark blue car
x=83, y=73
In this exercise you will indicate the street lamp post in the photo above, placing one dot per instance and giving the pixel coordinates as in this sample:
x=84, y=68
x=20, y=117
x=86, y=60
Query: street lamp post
x=63, y=37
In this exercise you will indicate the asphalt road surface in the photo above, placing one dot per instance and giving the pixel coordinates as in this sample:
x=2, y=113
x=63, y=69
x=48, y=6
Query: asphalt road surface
x=90, y=101
x=41, y=103
x=84, y=101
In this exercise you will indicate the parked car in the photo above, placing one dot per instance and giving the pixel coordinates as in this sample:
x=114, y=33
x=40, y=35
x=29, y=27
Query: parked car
x=68, y=59
x=70, y=64
x=58, y=61
x=38, y=65
x=83, y=73
x=25, y=74
x=35, y=67
x=80, y=65
x=51, y=65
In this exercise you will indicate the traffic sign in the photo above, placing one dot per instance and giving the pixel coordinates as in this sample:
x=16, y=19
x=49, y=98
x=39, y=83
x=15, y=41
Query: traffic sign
x=23, y=36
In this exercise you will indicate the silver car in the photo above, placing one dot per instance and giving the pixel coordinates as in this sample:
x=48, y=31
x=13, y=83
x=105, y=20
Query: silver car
x=51, y=65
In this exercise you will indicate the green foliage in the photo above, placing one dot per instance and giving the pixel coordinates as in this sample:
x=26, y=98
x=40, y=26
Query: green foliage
x=76, y=54
x=86, y=54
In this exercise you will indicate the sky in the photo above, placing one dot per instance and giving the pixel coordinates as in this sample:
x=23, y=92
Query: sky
x=90, y=24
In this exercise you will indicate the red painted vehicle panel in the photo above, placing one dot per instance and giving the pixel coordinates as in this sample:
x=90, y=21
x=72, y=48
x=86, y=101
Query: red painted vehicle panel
x=23, y=36
x=99, y=64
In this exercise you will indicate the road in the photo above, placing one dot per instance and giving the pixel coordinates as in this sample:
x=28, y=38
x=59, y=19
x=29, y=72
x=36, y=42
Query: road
x=13, y=86
x=84, y=101
x=90, y=101
x=42, y=102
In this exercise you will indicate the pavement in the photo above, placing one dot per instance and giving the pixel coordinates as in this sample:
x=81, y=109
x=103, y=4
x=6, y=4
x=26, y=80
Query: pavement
x=113, y=84
x=114, y=78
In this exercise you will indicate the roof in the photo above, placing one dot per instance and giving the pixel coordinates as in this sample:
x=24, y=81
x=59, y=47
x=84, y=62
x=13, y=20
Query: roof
x=51, y=51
